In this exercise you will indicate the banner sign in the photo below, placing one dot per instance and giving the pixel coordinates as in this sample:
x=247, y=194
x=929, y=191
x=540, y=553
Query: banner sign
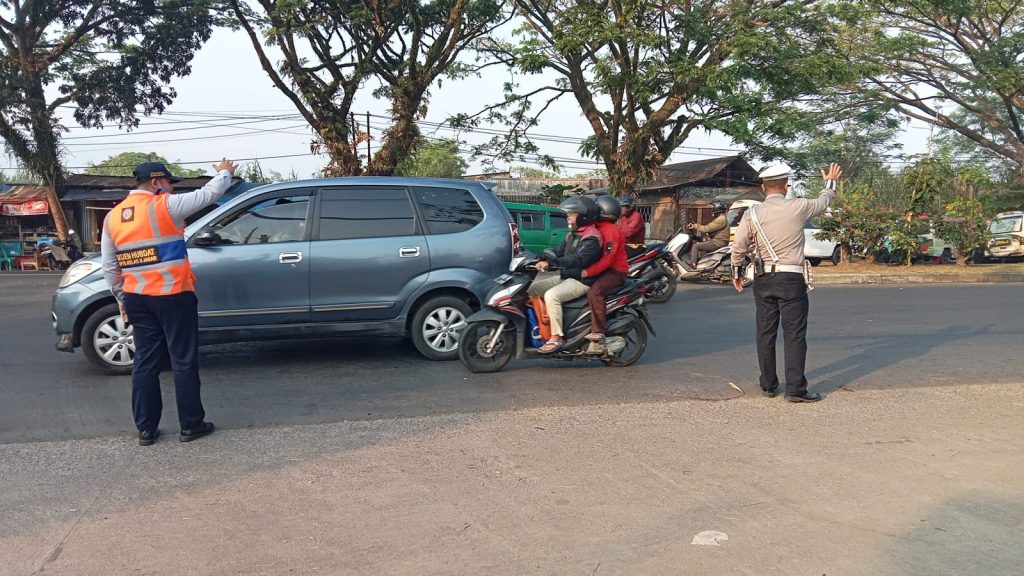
x=27, y=208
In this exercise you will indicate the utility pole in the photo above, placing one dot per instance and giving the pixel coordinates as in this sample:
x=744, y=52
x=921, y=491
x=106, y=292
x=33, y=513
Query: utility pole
x=367, y=137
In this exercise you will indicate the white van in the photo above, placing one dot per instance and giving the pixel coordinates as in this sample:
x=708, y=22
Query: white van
x=1007, y=235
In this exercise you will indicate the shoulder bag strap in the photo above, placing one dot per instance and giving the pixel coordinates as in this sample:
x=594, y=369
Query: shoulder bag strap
x=764, y=237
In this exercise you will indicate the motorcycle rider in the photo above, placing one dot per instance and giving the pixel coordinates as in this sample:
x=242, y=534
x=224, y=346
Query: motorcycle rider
x=631, y=223
x=717, y=229
x=580, y=249
x=610, y=271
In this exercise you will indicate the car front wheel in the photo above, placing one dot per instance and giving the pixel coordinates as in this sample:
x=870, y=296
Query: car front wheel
x=108, y=342
x=436, y=327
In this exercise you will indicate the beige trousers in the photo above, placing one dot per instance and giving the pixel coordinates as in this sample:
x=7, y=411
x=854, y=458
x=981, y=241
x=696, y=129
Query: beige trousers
x=556, y=291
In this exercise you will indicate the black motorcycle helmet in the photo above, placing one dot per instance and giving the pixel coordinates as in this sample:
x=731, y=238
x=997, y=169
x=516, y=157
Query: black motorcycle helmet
x=610, y=208
x=586, y=210
x=718, y=207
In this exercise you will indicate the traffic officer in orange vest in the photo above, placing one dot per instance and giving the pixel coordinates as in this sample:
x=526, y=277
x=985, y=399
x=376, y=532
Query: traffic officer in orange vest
x=146, y=265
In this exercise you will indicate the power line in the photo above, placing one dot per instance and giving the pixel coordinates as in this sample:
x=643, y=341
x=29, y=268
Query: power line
x=205, y=126
x=283, y=130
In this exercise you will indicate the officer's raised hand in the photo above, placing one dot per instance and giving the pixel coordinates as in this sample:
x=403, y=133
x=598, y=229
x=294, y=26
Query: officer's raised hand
x=835, y=171
x=225, y=164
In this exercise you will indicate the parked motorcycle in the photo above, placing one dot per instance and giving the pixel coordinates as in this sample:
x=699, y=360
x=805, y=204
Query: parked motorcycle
x=509, y=325
x=715, y=266
x=654, y=265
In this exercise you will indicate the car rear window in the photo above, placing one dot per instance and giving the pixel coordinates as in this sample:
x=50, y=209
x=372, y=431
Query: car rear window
x=531, y=220
x=448, y=210
x=347, y=213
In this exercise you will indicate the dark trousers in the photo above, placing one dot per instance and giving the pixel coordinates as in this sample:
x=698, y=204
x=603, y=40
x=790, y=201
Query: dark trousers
x=701, y=248
x=782, y=296
x=165, y=328
x=606, y=282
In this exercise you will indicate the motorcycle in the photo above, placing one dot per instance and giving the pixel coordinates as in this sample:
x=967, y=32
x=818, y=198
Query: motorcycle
x=714, y=266
x=510, y=324
x=654, y=265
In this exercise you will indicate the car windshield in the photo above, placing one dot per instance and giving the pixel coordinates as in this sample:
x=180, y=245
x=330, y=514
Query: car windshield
x=1006, y=225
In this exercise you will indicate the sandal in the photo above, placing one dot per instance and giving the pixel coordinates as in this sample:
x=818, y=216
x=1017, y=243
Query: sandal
x=595, y=337
x=550, y=346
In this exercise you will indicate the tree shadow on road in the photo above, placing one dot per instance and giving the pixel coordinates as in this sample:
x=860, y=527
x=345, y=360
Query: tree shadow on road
x=885, y=352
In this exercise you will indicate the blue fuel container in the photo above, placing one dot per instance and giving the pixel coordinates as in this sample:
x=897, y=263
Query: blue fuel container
x=535, y=339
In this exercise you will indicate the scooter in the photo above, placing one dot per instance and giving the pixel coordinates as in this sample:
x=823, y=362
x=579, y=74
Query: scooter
x=55, y=256
x=715, y=266
x=654, y=265
x=511, y=323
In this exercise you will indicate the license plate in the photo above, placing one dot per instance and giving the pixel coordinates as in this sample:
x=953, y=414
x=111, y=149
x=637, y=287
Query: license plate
x=1001, y=242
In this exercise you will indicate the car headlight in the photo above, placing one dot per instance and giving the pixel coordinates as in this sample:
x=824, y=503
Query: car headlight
x=77, y=271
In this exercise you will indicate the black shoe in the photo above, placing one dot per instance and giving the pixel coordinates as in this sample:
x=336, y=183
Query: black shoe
x=148, y=437
x=204, y=429
x=808, y=397
x=771, y=392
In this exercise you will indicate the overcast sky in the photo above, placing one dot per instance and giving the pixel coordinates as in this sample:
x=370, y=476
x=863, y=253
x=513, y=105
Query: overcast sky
x=227, y=80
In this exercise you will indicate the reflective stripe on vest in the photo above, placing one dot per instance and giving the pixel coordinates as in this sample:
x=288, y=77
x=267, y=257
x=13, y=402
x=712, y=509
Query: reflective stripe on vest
x=150, y=246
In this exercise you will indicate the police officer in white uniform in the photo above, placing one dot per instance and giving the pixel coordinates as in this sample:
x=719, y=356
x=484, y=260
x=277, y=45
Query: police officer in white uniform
x=780, y=292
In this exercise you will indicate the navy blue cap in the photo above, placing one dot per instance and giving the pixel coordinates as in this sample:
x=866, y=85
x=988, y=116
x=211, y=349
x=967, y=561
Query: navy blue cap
x=150, y=170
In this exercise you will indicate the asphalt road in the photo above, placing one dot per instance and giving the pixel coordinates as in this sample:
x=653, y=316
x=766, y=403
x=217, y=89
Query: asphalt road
x=862, y=338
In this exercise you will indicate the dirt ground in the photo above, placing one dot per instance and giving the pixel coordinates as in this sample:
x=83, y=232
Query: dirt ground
x=925, y=481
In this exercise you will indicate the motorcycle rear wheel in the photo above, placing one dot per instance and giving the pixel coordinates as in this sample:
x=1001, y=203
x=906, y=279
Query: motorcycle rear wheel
x=635, y=334
x=665, y=294
x=472, y=342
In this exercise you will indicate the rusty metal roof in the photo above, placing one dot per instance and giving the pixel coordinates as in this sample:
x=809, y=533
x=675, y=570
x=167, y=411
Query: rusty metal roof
x=22, y=193
x=716, y=172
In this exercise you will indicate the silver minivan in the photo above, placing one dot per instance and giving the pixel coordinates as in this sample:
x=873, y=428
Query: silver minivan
x=316, y=258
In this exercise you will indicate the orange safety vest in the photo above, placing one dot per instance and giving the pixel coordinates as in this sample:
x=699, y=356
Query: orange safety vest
x=150, y=246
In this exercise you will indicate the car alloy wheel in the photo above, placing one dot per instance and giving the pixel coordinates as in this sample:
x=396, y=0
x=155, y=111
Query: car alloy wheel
x=114, y=341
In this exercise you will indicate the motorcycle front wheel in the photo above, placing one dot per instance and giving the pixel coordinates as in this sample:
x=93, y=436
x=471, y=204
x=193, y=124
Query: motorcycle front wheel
x=473, y=346
x=635, y=334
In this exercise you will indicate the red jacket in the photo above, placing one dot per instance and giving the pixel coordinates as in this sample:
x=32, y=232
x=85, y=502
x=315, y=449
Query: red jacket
x=613, y=251
x=632, y=227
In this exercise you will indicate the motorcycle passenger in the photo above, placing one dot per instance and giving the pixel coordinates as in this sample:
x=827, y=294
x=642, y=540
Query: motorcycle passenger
x=717, y=229
x=610, y=271
x=580, y=249
x=631, y=222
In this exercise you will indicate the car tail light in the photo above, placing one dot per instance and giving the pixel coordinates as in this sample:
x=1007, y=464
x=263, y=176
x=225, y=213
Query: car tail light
x=517, y=245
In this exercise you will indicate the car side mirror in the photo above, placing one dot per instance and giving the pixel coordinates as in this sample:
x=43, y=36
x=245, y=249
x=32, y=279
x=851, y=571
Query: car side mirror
x=207, y=238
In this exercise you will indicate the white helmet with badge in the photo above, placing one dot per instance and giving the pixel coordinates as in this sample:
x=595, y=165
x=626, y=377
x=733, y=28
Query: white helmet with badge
x=775, y=172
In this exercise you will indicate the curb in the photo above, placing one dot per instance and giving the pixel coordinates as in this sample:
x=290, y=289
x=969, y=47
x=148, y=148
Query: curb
x=912, y=278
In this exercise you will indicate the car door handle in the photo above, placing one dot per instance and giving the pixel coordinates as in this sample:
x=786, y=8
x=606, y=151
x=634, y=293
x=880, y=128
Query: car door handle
x=409, y=252
x=290, y=257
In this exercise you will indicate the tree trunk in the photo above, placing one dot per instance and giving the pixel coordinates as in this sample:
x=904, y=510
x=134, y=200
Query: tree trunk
x=845, y=253
x=402, y=138
x=622, y=180
x=344, y=158
x=44, y=160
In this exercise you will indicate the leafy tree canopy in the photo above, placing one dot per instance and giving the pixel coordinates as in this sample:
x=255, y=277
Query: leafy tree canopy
x=331, y=48
x=957, y=64
x=109, y=60
x=647, y=74
x=434, y=159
